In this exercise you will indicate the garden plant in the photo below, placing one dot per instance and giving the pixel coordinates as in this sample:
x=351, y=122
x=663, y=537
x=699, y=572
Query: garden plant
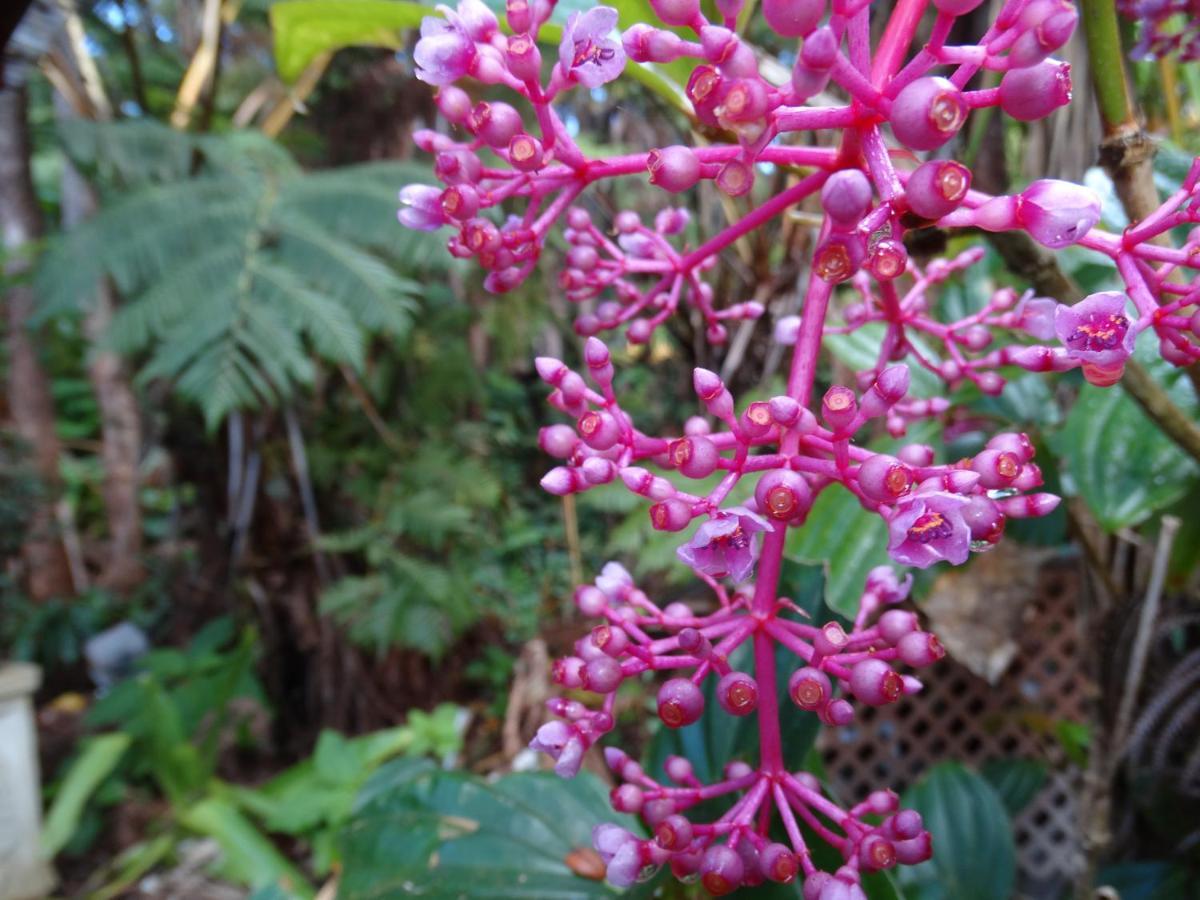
x=514, y=182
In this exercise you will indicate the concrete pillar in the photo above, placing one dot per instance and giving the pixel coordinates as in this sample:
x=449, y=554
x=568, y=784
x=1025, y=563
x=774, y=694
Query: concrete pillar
x=24, y=875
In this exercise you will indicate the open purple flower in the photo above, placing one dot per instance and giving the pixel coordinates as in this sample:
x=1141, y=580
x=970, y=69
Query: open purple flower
x=1057, y=213
x=446, y=49
x=587, y=53
x=929, y=528
x=562, y=743
x=1096, y=330
x=1035, y=315
x=421, y=207
x=613, y=579
x=725, y=545
x=619, y=850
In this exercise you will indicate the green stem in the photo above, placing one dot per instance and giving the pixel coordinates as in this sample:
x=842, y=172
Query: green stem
x=1107, y=62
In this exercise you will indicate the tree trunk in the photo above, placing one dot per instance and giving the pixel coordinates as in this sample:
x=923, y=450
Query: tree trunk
x=120, y=422
x=29, y=400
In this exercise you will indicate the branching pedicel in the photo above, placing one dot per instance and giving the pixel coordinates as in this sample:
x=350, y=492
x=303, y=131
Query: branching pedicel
x=792, y=446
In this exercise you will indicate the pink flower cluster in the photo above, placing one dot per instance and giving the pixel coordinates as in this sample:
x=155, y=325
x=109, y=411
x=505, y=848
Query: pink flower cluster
x=860, y=159
x=736, y=850
x=1168, y=27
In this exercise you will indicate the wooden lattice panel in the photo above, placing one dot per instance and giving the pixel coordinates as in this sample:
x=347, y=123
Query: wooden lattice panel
x=960, y=716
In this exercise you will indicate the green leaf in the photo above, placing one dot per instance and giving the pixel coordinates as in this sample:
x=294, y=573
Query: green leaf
x=719, y=738
x=97, y=759
x=974, y=857
x=1015, y=781
x=847, y=540
x=306, y=29
x=1123, y=467
x=248, y=856
x=450, y=834
x=860, y=350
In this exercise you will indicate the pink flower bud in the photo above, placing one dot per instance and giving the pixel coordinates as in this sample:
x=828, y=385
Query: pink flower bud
x=558, y=441
x=673, y=833
x=920, y=648
x=494, y=123
x=746, y=100
x=996, y=468
x=838, y=407
x=525, y=153
x=599, y=430
x=837, y=713
x=896, y=623
x=590, y=600
x=830, y=639
x=627, y=798
x=1035, y=92
x=887, y=260
x=876, y=853
x=670, y=515
x=680, y=703
x=454, y=103
x=695, y=457
x=673, y=168
x=597, y=470
x=915, y=850
x=568, y=672
x=809, y=688
x=783, y=495
x=873, y=682
x=612, y=639
x=937, y=188
x=602, y=675
x=735, y=178
x=561, y=481
x=793, y=18
x=642, y=482
x=737, y=693
x=676, y=12
x=756, y=421
x=779, y=864
x=846, y=196
x=884, y=478
x=711, y=390
x=784, y=410
x=524, y=57
x=927, y=113
x=839, y=257
x=721, y=870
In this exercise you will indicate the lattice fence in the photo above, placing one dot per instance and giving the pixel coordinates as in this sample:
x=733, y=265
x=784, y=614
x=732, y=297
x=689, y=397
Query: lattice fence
x=962, y=717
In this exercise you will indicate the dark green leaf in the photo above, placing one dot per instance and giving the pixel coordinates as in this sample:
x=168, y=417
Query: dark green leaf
x=973, y=853
x=1118, y=460
x=1015, y=781
x=450, y=834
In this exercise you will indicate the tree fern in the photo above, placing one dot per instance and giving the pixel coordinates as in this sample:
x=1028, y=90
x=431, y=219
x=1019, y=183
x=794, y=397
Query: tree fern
x=240, y=272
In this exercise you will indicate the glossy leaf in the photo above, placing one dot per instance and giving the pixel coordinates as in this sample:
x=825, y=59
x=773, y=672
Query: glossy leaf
x=974, y=857
x=1123, y=467
x=451, y=834
x=97, y=759
x=847, y=540
x=306, y=29
x=1015, y=781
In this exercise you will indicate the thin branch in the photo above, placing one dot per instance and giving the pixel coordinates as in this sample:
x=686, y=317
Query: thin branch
x=1145, y=631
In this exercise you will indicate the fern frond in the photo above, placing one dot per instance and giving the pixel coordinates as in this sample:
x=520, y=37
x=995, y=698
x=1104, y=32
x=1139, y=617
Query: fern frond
x=331, y=327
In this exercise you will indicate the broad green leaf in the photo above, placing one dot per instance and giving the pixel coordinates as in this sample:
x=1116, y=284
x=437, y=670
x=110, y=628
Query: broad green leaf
x=98, y=758
x=1015, y=781
x=1148, y=880
x=248, y=855
x=974, y=857
x=847, y=540
x=1123, y=467
x=306, y=29
x=719, y=738
x=860, y=350
x=450, y=834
